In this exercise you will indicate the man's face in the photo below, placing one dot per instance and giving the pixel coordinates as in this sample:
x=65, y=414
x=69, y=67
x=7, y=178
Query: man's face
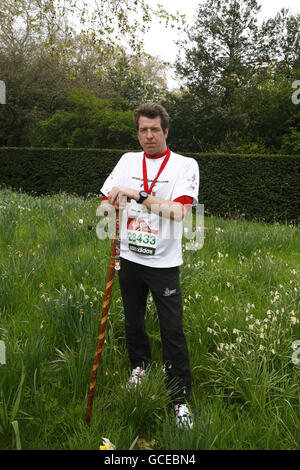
x=151, y=135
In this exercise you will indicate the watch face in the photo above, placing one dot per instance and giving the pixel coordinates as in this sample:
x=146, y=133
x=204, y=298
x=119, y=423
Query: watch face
x=143, y=194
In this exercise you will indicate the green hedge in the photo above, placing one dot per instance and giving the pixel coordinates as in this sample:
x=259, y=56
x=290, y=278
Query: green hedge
x=80, y=171
x=264, y=187
x=258, y=186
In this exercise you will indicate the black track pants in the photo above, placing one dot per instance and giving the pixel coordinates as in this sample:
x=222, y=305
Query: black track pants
x=135, y=282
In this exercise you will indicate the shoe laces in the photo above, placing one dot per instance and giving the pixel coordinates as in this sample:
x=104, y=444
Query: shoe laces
x=181, y=410
x=136, y=374
x=183, y=416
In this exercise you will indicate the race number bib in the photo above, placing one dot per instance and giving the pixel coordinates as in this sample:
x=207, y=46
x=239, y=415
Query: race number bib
x=141, y=239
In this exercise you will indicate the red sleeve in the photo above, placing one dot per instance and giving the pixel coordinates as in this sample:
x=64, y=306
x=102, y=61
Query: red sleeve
x=184, y=200
x=104, y=197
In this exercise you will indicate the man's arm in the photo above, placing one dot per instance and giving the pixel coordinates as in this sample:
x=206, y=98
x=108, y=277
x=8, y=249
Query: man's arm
x=164, y=208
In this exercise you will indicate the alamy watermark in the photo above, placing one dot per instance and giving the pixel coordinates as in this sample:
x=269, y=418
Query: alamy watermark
x=296, y=94
x=142, y=229
x=2, y=92
x=2, y=353
x=296, y=353
x=193, y=228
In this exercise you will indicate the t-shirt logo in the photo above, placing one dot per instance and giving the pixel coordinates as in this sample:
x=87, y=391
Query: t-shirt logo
x=167, y=292
x=193, y=181
x=139, y=225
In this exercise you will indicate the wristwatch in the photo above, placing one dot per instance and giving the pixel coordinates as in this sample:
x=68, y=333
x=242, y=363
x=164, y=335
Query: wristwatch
x=143, y=196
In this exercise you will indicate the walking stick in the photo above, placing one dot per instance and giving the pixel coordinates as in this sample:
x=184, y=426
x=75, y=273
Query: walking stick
x=114, y=266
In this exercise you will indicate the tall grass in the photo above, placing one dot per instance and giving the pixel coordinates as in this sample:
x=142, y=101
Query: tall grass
x=241, y=317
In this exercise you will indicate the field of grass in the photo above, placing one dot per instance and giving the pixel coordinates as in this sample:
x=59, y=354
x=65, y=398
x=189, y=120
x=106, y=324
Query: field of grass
x=241, y=297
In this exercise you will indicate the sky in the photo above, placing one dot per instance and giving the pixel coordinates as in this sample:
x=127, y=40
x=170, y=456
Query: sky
x=160, y=41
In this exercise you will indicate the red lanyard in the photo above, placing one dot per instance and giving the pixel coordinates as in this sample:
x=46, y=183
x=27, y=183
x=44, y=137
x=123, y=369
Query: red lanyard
x=165, y=161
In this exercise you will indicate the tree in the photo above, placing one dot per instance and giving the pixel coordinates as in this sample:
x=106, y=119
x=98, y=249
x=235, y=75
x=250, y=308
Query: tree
x=280, y=39
x=220, y=58
x=47, y=48
x=137, y=79
x=274, y=117
x=220, y=49
x=237, y=77
x=87, y=121
x=110, y=21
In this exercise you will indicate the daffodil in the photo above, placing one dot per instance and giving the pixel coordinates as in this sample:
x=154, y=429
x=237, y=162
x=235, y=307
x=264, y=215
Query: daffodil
x=106, y=444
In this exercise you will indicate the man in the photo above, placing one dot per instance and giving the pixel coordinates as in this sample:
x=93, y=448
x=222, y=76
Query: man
x=159, y=184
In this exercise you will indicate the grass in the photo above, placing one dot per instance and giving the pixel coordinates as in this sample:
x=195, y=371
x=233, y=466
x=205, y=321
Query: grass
x=241, y=316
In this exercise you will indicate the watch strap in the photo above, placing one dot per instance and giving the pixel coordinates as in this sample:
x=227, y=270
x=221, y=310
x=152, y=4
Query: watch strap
x=142, y=197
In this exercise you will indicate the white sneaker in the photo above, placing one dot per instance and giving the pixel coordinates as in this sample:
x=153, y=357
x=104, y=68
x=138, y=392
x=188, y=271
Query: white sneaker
x=136, y=377
x=182, y=416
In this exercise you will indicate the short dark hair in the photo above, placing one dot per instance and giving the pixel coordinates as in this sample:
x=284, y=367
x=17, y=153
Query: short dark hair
x=151, y=111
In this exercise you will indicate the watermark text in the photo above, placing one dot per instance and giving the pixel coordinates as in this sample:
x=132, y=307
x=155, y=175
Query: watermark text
x=296, y=94
x=2, y=353
x=296, y=353
x=143, y=229
x=2, y=92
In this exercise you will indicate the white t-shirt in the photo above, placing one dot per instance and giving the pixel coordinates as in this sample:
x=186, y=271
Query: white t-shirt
x=147, y=238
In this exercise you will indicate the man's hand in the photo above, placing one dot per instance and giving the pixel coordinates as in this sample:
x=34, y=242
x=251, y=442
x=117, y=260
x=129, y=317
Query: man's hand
x=118, y=196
